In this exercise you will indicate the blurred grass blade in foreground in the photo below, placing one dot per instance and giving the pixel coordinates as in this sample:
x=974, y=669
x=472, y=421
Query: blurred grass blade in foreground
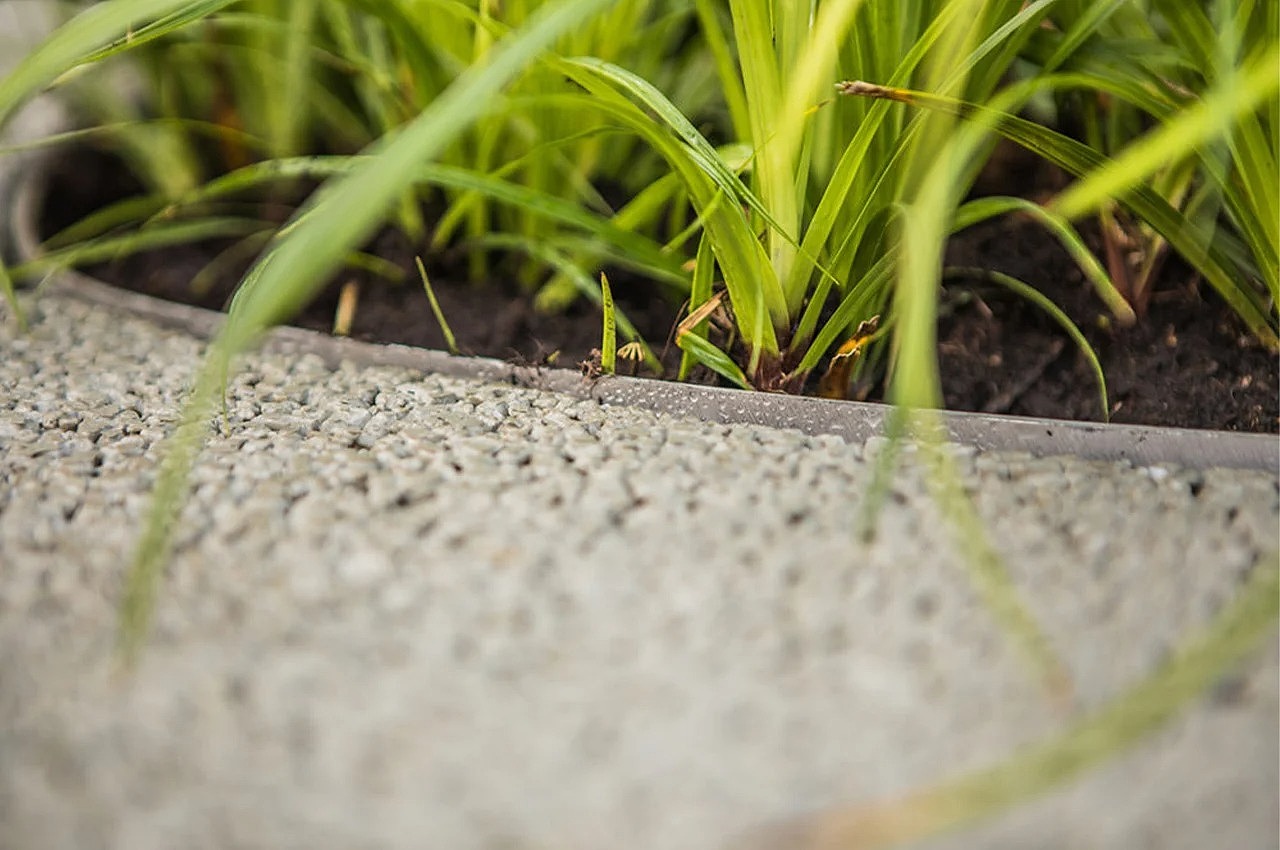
x=341, y=215
x=1234, y=634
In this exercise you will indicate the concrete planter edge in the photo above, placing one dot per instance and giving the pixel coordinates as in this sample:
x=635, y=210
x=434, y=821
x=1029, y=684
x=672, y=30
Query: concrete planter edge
x=21, y=184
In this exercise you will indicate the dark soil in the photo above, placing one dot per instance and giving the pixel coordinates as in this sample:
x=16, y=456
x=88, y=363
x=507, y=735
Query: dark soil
x=1189, y=362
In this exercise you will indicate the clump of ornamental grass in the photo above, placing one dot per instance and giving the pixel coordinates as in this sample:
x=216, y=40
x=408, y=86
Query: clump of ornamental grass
x=812, y=236
x=229, y=104
x=1150, y=63
x=804, y=233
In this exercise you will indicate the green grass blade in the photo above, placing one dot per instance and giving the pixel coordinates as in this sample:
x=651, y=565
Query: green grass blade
x=1035, y=296
x=11, y=296
x=344, y=214
x=1083, y=27
x=831, y=209
x=1192, y=30
x=849, y=174
x=609, y=333
x=467, y=207
x=699, y=148
x=707, y=159
x=857, y=304
x=103, y=25
x=226, y=263
x=1197, y=247
x=583, y=282
x=1253, y=200
x=870, y=248
x=1239, y=630
x=765, y=38
x=111, y=247
x=748, y=274
x=435, y=308
x=170, y=22
x=983, y=563
x=122, y=213
x=108, y=130
x=288, y=103
x=1178, y=137
x=726, y=68
x=997, y=205
x=527, y=199
x=700, y=289
x=714, y=359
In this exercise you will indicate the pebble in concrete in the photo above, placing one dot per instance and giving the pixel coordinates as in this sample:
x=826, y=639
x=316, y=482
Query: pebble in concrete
x=408, y=611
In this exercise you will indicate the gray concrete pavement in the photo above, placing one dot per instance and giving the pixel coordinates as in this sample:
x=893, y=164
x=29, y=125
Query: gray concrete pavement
x=408, y=611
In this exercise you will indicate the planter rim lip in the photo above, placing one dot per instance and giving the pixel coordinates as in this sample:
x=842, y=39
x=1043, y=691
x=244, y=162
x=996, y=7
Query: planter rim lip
x=853, y=421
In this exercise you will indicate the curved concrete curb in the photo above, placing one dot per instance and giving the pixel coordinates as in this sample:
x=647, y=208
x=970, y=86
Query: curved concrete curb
x=850, y=420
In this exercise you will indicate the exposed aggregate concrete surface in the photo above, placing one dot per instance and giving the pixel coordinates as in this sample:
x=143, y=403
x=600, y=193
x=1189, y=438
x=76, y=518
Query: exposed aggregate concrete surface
x=406, y=611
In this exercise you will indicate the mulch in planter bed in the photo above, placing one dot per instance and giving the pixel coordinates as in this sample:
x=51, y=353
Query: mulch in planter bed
x=1188, y=362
